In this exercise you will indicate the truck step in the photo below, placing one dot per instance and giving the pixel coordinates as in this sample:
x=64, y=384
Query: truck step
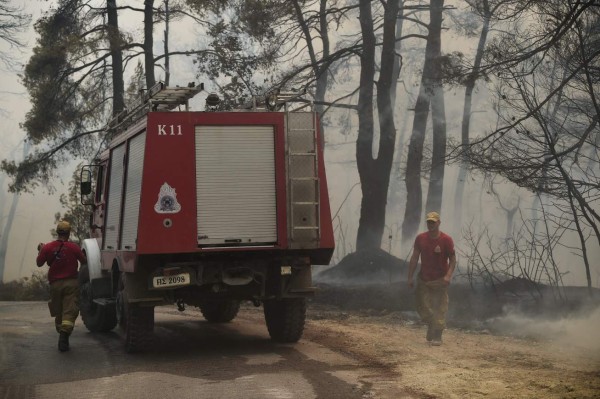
x=306, y=290
x=105, y=301
x=304, y=178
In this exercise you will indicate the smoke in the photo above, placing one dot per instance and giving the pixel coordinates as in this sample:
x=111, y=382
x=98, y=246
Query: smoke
x=578, y=331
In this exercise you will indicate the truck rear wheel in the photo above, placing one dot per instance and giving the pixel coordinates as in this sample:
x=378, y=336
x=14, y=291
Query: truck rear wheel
x=96, y=318
x=220, y=311
x=285, y=318
x=136, y=321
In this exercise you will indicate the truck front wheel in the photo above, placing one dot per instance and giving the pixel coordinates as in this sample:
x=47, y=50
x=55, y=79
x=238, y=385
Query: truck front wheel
x=220, y=311
x=96, y=318
x=285, y=318
x=136, y=321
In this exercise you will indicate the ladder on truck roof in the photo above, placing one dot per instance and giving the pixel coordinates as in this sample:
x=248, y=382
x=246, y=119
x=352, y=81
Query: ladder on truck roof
x=288, y=101
x=303, y=180
x=158, y=98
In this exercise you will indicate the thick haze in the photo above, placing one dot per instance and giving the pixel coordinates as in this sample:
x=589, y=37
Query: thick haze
x=35, y=214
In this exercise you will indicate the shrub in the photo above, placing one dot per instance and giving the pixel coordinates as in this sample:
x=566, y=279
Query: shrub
x=34, y=288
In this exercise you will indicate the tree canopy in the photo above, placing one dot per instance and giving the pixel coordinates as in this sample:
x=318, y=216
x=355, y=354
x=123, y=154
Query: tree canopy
x=533, y=69
x=13, y=21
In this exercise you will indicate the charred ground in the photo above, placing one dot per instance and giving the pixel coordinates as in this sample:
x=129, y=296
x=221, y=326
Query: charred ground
x=375, y=281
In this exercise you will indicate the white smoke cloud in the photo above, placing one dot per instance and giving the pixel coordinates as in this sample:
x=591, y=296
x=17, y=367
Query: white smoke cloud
x=579, y=331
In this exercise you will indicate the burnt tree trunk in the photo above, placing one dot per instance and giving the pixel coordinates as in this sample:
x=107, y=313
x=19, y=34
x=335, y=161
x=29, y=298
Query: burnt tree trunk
x=438, y=156
x=115, y=42
x=166, y=44
x=397, y=49
x=320, y=69
x=321, y=72
x=414, y=192
x=375, y=173
x=149, y=43
x=395, y=190
x=438, y=115
x=367, y=235
x=466, y=119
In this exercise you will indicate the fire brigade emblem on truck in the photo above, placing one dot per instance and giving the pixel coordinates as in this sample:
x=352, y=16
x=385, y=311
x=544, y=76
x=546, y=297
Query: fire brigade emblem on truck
x=167, y=200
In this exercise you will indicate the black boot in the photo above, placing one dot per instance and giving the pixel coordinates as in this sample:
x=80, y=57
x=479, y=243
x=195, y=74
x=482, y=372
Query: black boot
x=63, y=342
x=430, y=332
x=436, y=338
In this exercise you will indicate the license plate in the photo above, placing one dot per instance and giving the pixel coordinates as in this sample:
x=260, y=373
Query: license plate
x=171, y=281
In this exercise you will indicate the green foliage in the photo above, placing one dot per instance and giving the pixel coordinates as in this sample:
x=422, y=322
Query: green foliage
x=230, y=63
x=136, y=84
x=76, y=213
x=34, y=288
x=47, y=75
x=455, y=69
x=206, y=7
x=256, y=17
x=69, y=83
x=243, y=44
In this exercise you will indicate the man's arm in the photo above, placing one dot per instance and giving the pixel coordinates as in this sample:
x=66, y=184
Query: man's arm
x=452, y=266
x=41, y=258
x=412, y=266
x=81, y=256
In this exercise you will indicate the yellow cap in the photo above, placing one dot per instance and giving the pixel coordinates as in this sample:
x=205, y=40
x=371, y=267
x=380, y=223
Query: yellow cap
x=63, y=227
x=433, y=216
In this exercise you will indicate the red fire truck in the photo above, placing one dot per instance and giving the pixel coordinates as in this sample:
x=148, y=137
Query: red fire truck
x=206, y=209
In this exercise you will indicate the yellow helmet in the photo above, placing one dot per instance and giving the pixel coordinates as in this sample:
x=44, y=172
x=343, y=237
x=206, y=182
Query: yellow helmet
x=63, y=227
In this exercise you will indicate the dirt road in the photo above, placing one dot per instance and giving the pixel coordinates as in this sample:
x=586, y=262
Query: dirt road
x=190, y=359
x=342, y=355
x=468, y=364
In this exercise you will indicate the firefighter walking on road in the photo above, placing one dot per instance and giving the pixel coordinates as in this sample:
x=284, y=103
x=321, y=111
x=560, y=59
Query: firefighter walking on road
x=62, y=257
x=438, y=260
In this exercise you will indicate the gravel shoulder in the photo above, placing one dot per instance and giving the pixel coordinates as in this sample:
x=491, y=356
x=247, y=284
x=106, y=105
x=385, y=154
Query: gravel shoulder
x=468, y=364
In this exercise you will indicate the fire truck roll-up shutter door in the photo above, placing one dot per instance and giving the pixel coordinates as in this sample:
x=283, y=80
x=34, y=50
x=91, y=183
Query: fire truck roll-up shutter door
x=115, y=190
x=133, y=188
x=235, y=183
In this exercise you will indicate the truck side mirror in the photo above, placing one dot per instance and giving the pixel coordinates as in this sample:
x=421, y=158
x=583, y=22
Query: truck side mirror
x=85, y=185
x=86, y=188
x=86, y=182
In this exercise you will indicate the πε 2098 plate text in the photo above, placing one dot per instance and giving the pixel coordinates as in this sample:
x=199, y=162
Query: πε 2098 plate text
x=171, y=281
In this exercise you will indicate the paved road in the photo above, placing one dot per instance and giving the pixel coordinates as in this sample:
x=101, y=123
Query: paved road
x=191, y=359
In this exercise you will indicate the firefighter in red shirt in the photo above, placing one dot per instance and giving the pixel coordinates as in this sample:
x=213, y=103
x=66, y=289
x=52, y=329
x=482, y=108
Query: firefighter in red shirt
x=62, y=257
x=438, y=261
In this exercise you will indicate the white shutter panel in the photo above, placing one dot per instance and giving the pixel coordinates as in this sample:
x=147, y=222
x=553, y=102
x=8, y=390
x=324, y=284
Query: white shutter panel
x=115, y=191
x=235, y=183
x=133, y=188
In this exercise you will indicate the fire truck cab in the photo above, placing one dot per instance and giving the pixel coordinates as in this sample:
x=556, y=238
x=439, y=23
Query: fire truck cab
x=205, y=209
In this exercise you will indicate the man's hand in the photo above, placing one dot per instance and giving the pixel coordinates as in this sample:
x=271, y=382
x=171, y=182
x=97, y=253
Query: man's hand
x=40, y=245
x=447, y=279
x=412, y=266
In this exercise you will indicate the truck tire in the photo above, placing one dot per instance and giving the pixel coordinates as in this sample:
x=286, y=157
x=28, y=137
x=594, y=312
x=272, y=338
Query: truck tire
x=96, y=318
x=136, y=321
x=285, y=319
x=220, y=311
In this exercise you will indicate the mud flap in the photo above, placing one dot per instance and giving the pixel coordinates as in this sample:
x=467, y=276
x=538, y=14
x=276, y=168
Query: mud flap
x=137, y=289
x=300, y=283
